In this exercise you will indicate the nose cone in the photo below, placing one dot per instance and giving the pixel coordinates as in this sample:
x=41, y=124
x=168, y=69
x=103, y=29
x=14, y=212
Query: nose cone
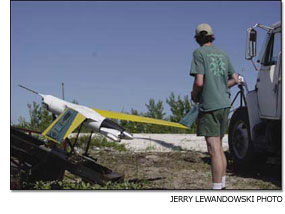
x=46, y=99
x=111, y=134
x=126, y=135
x=110, y=126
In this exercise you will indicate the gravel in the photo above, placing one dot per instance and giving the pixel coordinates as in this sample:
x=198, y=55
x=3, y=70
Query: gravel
x=164, y=142
x=168, y=142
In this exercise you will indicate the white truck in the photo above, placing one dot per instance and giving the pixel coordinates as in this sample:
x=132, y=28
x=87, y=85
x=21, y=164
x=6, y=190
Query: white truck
x=255, y=126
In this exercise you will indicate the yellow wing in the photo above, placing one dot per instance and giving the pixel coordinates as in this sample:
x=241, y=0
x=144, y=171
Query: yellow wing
x=64, y=124
x=135, y=118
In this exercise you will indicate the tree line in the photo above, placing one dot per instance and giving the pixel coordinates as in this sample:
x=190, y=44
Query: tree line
x=40, y=118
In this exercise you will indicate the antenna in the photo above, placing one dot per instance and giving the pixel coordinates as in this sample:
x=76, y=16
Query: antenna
x=29, y=90
x=62, y=85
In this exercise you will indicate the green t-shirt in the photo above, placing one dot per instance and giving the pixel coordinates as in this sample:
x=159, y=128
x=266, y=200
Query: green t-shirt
x=216, y=67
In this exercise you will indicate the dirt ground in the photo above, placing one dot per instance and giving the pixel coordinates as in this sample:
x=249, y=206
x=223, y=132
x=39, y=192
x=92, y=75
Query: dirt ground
x=187, y=170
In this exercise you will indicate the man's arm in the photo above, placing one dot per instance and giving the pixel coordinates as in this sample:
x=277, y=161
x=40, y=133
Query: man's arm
x=197, y=87
x=233, y=81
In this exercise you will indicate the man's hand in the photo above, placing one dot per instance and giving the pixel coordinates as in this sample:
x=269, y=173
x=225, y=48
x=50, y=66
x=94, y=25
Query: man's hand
x=194, y=97
x=197, y=87
x=236, y=79
x=240, y=80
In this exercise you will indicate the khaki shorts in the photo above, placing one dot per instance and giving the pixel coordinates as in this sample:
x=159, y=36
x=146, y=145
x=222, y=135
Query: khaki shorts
x=213, y=123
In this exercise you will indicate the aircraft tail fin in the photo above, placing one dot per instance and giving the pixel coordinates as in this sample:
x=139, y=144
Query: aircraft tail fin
x=64, y=124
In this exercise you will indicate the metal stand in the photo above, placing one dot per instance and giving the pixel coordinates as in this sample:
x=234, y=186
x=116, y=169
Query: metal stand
x=30, y=155
x=88, y=144
x=76, y=139
x=242, y=96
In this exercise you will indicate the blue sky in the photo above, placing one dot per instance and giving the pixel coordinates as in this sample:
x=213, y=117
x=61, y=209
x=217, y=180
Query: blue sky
x=118, y=55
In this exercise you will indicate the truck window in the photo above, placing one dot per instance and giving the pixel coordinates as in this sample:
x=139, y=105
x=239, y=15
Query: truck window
x=263, y=54
x=276, y=48
x=273, y=48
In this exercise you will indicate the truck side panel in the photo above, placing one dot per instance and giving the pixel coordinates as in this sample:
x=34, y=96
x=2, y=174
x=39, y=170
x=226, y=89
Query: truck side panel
x=253, y=114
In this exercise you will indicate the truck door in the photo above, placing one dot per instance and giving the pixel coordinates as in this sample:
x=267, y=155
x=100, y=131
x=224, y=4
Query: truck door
x=269, y=79
x=279, y=87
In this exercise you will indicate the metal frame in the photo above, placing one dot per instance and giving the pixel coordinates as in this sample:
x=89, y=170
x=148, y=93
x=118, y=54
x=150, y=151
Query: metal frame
x=242, y=97
x=76, y=140
x=88, y=144
x=28, y=153
x=72, y=146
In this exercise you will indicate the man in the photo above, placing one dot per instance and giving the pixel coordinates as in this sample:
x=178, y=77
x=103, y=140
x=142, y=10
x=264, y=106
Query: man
x=214, y=74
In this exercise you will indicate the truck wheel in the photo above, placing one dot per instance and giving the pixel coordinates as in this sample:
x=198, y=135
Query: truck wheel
x=239, y=139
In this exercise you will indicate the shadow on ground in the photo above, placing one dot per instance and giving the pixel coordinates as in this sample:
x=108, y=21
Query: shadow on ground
x=136, y=180
x=162, y=143
x=271, y=171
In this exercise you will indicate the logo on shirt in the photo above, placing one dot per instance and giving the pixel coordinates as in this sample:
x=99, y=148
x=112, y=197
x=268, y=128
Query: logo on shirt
x=217, y=64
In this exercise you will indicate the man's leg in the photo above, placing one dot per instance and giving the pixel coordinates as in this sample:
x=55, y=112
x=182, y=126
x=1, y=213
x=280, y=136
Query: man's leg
x=223, y=157
x=217, y=166
x=224, y=164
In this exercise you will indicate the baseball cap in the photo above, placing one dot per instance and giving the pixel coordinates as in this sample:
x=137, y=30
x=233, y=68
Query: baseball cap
x=204, y=27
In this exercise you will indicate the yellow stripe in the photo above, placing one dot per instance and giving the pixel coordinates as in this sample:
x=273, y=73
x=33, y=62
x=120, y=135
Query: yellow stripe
x=76, y=122
x=51, y=139
x=53, y=123
x=140, y=119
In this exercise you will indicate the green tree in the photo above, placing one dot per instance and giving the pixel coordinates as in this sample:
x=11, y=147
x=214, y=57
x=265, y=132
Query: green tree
x=39, y=120
x=75, y=101
x=22, y=123
x=155, y=110
x=179, y=107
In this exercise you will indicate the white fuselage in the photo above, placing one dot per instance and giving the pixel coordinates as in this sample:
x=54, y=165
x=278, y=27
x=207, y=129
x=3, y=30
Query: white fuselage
x=93, y=118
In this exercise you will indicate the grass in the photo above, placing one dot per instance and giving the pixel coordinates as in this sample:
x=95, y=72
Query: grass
x=81, y=185
x=172, y=170
x=99, y=142
x=150, y=148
